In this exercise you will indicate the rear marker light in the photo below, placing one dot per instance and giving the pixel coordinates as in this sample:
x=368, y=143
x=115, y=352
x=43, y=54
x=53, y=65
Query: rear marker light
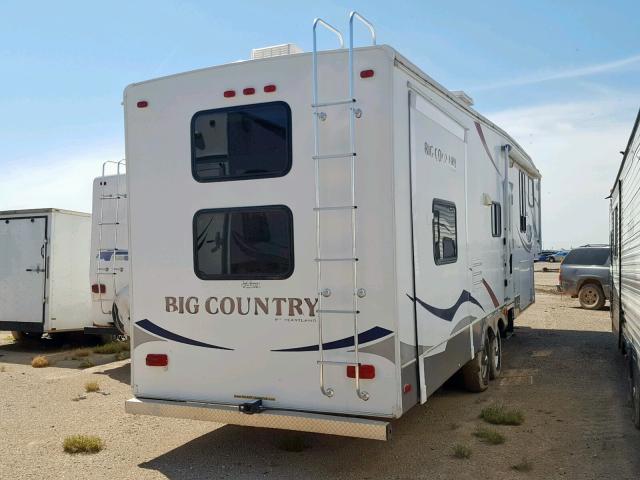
x=367, y=372
x=406, y=388
x=249, y=91
x=142, y=104
x=229, y=93
x=269, y=88
x=98, y=288
x=366, y=74
x=157, y=360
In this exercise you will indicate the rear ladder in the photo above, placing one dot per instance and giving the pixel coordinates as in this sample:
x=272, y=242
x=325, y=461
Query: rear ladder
x=323, y=290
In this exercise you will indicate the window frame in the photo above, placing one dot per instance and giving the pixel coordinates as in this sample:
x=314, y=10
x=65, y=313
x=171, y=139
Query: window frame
x=435, y=245
x=253, y=209
x=523, y=200
x=496, y=219
x=273, y=174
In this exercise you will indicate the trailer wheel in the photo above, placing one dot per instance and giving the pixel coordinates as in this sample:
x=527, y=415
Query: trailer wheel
x=635, y=399
x=495, y=356
x=591, y=296
x=477, y=370
x=25, y=336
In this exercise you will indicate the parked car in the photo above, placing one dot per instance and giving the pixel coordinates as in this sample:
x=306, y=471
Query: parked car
x=544, y=255
x=558, y=256
x=584, y=274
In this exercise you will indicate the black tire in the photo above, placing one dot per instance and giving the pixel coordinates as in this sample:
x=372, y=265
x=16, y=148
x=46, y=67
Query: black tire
x=20, y=337
x=635, y=397
x=551, y=260
x=495, y=356
x=476, y=371
x=591, y=296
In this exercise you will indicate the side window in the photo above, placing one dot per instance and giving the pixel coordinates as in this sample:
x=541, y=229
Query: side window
x=445, y=232
x=616, y=233
x=496, y=220
x=243, y=243
x=523, y=199
x=242, y=142
x=531, y=191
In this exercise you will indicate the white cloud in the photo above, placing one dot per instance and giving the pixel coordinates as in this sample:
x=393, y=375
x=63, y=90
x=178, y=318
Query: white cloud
x=585, y=71
x=576, y=147
x=62, y=181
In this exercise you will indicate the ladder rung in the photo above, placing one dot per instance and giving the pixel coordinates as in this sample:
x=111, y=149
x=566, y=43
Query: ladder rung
x=336, y=102
x=337, y=207
x=334, y=155
x=112, y=197
x=346, y=259
x=339, y=311
x=109, y=223
x=332, y=362
x=107, y=273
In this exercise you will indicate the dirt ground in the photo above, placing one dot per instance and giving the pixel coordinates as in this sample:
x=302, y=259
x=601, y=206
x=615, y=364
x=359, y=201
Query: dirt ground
x=562, y=370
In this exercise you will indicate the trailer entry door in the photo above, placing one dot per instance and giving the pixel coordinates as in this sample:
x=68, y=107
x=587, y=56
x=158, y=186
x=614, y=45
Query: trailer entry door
x=23, y=272
x=442, y=279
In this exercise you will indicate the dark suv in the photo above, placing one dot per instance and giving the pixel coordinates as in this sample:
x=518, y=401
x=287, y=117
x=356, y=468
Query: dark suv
x=584, y=274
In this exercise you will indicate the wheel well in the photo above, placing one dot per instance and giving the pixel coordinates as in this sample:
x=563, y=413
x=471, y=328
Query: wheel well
x=589, y=280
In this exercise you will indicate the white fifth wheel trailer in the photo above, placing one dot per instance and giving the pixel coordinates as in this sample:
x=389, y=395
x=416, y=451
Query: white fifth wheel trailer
x=320, y=240
x=109, y=266
x=43, y=271
x=625, y=262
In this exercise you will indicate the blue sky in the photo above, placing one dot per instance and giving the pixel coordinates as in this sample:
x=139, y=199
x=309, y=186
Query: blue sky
x=562, y=76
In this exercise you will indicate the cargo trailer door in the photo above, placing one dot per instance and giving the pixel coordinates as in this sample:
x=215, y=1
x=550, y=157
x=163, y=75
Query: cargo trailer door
x=22, y=273
x=439, y=210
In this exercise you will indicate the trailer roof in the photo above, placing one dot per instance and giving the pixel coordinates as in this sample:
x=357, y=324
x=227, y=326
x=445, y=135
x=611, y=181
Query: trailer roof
x=517, y=153
x=627, y=151
x=33, y=211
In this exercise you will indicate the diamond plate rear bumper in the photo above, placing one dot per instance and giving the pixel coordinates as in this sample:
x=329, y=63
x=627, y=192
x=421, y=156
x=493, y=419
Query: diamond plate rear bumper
x=281, y=419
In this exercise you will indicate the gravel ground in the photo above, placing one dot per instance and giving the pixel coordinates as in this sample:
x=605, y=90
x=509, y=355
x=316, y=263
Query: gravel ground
x=562, y=371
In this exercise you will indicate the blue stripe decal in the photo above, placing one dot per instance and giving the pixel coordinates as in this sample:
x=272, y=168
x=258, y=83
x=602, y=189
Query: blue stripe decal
x=447, y=314
x=161, y=332
x=369, y=336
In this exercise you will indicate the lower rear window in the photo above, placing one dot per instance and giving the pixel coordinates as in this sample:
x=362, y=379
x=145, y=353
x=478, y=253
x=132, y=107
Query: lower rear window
x=243, y=243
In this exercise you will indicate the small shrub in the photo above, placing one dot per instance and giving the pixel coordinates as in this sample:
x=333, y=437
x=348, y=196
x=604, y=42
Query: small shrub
x=112, y=347
x=85, y=352
x=122, y=355
x=92, y=386
x=523, y=466
x=501, y=415
x=83, y=444
x=490, y=436
x=86, y=364
x=461, y=451
x=40, y=362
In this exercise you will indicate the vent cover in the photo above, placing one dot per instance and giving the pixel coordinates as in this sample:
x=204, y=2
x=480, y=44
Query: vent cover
x=463, y=97
x=275, y=51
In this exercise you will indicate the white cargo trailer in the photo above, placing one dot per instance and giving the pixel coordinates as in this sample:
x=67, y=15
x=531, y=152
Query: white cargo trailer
x=625, y=262
x=43, y=271
x=109, y=266
x=320, y=239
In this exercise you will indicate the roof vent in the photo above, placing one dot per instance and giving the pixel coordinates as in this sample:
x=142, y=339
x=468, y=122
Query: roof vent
x=275, y=51
x=463, y=97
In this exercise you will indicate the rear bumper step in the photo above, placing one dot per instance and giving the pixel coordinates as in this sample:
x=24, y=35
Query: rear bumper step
x=281, y=419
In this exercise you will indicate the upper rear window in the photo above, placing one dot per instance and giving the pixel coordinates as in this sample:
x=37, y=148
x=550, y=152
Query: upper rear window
x=242, y=142
x=587, y=256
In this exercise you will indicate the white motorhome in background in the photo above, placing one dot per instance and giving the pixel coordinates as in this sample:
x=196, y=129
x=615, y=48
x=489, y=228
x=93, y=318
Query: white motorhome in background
x=43, y=271
x=288, y=239
x=625, y=262
x=109, y=266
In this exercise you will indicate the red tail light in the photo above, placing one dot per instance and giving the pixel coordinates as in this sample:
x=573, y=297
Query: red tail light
x=249, y=91
x=366, y=73
x=157, y=360
x=367, y=372
x=229, y=93
x=98, y=288
x=269, y=88
x=406, y=388
x=142, y=104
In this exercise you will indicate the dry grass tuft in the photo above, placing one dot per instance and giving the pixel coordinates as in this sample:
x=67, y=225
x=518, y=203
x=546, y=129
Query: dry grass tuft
x=40, y=362
x=523, y=466
x=489, y=435
x=86, y=364
x=92, y=386
x=83, y=444
x=501, y=415
x=84, y=352
x=112, y=347
x=122, y=355
x=461, y=451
